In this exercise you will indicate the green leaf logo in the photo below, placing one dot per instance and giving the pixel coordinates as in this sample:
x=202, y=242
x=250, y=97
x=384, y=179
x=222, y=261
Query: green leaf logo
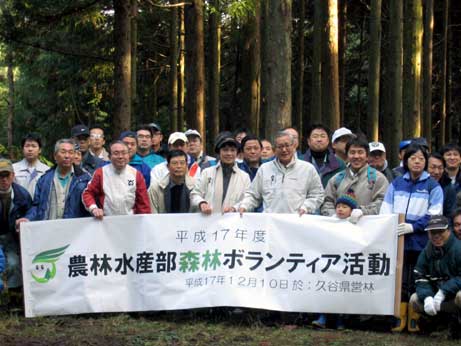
x=44, y=264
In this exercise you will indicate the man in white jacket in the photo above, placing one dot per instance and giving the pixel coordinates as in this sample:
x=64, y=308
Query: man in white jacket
x=286, y=184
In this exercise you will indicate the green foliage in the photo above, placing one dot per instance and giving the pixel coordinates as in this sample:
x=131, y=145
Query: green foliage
x=241, y=9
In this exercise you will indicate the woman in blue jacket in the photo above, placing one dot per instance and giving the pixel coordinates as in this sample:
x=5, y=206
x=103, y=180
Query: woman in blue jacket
x=417, y=196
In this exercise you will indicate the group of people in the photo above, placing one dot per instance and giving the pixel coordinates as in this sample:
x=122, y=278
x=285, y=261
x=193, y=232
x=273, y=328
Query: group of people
x=340, y=175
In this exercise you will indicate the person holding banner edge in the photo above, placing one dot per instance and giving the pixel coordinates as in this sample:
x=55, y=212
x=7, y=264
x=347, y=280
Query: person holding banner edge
x=418, y=196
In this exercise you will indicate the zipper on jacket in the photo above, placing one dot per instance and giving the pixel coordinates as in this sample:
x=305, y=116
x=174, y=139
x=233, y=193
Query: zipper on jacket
x=409, y=198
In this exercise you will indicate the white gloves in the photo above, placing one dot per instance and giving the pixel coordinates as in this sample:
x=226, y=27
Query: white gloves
x=429, y=306
x=438, y=299
x=404, y=228
x=355, y=215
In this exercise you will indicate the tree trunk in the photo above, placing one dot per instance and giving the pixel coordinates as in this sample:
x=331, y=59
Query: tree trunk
x=276, y=65
x=342, y=57
x=251, y=64
x=181, y=68
x=10, y=77
x=393, y=128
x=443, y=77
x=412, y=89
x=374, y=70
x=134, y=54
x=316, y=90
x=173, y=76
x=427, y=71
x=330, y=100
x=195, y=68
x=299, y=90
x=122, y=67
x=214, y=67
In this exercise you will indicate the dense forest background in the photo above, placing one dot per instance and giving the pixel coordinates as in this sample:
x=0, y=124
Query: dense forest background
x=388, y=69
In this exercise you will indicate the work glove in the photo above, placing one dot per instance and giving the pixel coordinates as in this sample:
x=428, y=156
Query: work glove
x=404, y=228
x=438, y=299
x=429, y=306
x=356, y=214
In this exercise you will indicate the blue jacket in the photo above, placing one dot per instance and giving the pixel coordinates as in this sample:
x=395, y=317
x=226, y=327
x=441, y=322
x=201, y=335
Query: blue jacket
x=73, y=207
x=137, y=162
x=21, y=204
x=151, y=159
x=417, y=200
x=439, y=268
x=2, y=267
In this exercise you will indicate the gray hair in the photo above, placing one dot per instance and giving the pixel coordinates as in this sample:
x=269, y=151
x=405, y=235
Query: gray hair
x=63, y=141
x=284, y=133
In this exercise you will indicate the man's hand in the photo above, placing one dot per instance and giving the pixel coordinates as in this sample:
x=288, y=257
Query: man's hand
x=205, y=208
x=19, y=221
x=98, y=213
x=429, y=306
x=438, y=299
x=241, y=211
x=404, y=228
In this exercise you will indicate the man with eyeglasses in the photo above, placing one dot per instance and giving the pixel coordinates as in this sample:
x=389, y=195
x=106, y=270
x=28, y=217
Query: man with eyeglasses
x=145, y=151
x=97, y=142
x=117, y=188
x=284, y=185
x=157, y=144
x=377, y=159
x=58, y=192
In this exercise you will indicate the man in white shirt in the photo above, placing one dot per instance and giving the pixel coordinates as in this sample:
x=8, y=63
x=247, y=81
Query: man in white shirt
x=30, y=169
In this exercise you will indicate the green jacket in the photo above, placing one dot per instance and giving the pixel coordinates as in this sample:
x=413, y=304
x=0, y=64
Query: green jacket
x=439, y=268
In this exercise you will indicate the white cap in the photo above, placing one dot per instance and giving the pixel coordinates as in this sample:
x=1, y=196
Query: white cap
x=176, y=136
x=377, y=146
x=192, y=132
x=343, y=131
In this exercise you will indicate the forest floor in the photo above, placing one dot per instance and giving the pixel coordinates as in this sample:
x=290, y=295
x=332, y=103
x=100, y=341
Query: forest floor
x=201, y=327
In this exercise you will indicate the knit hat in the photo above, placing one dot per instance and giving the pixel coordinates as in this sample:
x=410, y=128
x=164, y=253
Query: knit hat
x=348, y=199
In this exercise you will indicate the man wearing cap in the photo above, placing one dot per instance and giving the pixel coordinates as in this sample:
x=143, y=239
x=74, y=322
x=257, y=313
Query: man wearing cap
x=97, y=142
x=145, y=151
x=176, y=141
x=117, y=188
x=172, y=193
x=195, y=150
x=321, y=155
x=30, y=169
x=285, y=184
x=377, y=159
x=58, y=194
x=130, y=139
x=158, y=146
x=81, y=135
x=339, y=140
x=220, y=187
x=15, y=201
x=438, y=274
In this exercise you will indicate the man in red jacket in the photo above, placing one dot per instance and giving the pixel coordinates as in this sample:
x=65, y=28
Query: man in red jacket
x=117, y=188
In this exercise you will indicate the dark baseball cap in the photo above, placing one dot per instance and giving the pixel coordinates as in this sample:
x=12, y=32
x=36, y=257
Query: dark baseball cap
x=437, y=223
x=79, y=130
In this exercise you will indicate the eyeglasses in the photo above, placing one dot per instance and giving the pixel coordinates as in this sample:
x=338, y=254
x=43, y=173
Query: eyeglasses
x=119, y=153
x=96, y=136
x=283, y=146
x=145, y=136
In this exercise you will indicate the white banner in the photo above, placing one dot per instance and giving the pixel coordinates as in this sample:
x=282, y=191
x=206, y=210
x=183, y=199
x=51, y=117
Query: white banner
x=182, y=261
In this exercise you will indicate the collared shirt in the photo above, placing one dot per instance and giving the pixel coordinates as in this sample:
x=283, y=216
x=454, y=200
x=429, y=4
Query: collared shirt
x=103, y=155
x=27, y=176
